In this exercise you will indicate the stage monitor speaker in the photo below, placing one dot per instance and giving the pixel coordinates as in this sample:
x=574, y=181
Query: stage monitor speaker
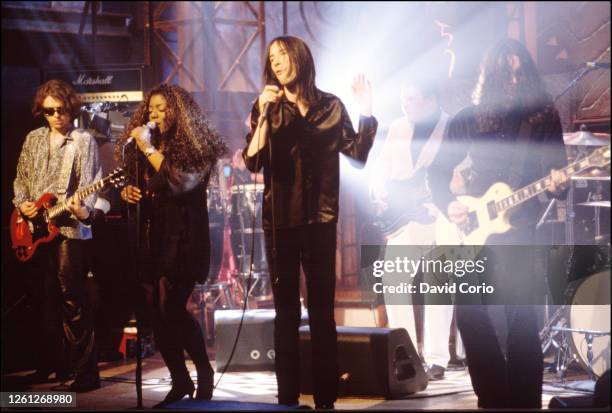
x=574, y=402
x=600, y=399
x=255, y=348
x=372, y=362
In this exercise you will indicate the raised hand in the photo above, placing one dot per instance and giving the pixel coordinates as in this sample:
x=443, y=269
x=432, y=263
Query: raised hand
x=362, y=93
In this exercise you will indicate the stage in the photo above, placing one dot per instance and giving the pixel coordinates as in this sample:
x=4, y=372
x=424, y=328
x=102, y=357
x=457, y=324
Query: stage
x=420, y=92
x=256, y=391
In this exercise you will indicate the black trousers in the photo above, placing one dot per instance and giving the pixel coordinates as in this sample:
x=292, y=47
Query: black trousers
x=510, y=379
x=175, y=329
x=67, y=323
x=314, y=247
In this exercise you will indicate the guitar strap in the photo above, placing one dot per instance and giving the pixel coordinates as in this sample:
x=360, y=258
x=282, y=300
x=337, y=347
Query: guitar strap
x=517, y=165
x=67, y=163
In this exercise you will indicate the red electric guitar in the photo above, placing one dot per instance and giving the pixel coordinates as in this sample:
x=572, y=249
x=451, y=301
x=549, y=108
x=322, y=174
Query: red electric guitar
x=27, y=235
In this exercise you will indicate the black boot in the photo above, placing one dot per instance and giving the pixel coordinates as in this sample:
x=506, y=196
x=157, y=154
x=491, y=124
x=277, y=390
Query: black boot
x=38, y=377
x=85, y=382
x=177, y=392
x=206, y=384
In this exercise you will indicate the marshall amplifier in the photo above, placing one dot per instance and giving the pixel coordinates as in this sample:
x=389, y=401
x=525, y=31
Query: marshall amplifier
x=101, y=84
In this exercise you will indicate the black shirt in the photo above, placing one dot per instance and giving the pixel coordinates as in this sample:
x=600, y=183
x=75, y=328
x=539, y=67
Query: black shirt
x=174, y=221
x=493, y=155
x=305, y=167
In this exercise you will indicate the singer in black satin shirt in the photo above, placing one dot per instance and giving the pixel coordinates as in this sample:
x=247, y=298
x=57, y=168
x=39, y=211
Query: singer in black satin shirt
x=305, y=156
x=307, y=129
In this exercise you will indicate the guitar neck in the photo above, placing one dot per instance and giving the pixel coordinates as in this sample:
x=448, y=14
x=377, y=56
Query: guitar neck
x=82, y=193
x=537, y=187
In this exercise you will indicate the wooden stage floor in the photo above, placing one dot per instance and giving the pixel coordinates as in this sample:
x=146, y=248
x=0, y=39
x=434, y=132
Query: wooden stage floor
x=118, y=391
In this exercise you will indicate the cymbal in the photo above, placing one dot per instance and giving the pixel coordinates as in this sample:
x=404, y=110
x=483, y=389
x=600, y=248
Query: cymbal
x=602, y=204
x=586, y=138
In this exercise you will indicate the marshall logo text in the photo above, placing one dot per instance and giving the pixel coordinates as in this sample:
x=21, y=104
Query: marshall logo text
x=83, y=80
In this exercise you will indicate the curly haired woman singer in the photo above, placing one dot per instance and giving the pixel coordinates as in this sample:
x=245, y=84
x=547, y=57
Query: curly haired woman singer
x=175, y=162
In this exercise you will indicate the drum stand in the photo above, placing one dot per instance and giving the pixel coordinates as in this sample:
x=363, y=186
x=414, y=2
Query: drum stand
x=549, y=333
x=256, y=280
x=553, y=334
x=248, y=266
x=549, y=336
x=594, y=198
x=565, y=354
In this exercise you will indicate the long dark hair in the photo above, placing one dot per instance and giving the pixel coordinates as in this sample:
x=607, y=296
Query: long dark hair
x=303, y=64
x=190, y=142
x=495, y=93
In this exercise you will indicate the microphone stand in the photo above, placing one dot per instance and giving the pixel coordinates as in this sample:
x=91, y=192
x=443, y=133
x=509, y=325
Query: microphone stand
x=136, y=248
x=573, y=82
x=270, y=164
x=545, y=214
x=569, y=231
x=139, y=279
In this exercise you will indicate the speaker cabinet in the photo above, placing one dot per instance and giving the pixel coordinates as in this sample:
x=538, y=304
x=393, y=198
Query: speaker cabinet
x=372, y=362
x=255, y=348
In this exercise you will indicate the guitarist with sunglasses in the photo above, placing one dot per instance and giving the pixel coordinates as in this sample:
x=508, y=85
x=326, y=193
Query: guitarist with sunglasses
x=59, y=159
x=512, y=134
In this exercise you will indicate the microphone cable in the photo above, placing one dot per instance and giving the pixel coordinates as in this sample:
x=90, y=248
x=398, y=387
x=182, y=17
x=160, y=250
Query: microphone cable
x=250, y=275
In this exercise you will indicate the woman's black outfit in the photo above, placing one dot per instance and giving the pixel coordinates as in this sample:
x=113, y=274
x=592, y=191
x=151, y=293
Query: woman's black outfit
x=175, y=255
x=304, y=174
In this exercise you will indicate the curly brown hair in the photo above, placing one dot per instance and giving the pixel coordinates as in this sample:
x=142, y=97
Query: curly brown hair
x=496, y=94
x=190, y=141
x=60, y=90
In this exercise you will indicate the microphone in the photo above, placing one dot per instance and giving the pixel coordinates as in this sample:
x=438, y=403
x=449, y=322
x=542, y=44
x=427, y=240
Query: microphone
x=150, y=126
x=266, y=110
x=596, y=65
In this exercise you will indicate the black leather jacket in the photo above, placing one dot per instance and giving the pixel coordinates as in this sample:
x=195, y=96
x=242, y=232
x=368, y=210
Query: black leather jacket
x=305, y=167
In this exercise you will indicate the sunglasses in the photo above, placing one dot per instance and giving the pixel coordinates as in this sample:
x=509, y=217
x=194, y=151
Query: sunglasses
x=52, y=111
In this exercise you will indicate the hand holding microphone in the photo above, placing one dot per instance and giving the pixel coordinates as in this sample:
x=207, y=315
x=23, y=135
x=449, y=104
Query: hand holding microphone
x=142, y=135
x=270, y=95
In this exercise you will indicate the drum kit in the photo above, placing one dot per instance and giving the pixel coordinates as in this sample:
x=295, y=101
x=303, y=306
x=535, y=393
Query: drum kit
x=589, y=192
x=239, y=269
x=580, y=329
x=238, y=274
